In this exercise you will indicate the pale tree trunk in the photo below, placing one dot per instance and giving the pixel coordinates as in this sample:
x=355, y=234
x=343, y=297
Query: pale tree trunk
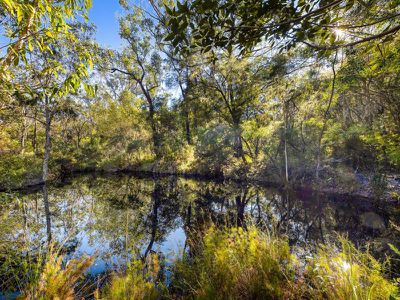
x=286, y=163
x=47, y=211
x=186, y=108
x=238, y=143
x=24, y=132
x=154, y=132
x=187, y=128
x=323, y=129
x=34, y=137
x=285, y=144
x=47, y=144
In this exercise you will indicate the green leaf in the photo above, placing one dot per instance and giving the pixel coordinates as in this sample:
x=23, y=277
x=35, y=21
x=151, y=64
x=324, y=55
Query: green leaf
x=394, y=249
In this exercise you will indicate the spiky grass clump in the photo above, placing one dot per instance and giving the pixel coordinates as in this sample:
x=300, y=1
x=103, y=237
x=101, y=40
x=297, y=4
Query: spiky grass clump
x=56, y=281
x=347, y=273
x=139, y=282
x=237, y=264
x=231, y=264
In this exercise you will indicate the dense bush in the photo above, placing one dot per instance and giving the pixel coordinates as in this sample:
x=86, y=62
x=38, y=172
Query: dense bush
x=237, y=264
x=17, y=170
x=232, y=264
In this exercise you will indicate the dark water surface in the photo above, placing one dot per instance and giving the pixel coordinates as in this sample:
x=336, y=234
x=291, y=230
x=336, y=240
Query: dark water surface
x=115, y=217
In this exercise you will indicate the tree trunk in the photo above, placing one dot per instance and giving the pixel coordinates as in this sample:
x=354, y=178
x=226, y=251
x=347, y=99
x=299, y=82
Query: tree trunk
x=47, y=144
x=187, y=128
x=186, y=105
x=241, y=202
x=153, y=125
x=24, y=130
x=154, y=131
x=47, y=211
x=238, y=143
x=34, y=137
x=285, y=146
x=154, y=217
x=325, y=119
x=286, y=164
x=257, y=148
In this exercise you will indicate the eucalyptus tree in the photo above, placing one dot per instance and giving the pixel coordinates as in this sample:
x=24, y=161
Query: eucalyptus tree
x=180, y=71
x=142, y=63
x=232, y=87
x=181, y=75
x=36, y=64
x=29, y=24
x=246, y=23
x=51, y=75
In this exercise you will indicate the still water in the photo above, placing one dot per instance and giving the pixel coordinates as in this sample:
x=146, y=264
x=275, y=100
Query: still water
x=115, y=217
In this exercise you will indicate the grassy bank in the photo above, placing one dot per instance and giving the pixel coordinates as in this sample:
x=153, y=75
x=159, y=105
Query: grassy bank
x=231, y=264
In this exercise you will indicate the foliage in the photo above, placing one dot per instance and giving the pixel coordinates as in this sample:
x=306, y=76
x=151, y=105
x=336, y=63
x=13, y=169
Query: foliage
x=18, y=170
x=56, y=281
x=215, y=88
x=131, y=215
x=259, y=113
x=37, y=24
x=347, y=273
x=236, y=264
x=254, y=265
x=139, y=282
x=215, y=24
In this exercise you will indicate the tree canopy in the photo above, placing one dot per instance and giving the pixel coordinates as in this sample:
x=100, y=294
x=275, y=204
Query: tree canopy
x=244, y=24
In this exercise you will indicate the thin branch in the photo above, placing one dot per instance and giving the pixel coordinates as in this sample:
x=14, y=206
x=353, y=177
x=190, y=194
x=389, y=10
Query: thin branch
x=370, y=38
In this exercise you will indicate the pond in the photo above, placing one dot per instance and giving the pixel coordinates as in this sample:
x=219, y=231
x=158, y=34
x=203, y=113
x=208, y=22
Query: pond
x=115, y=217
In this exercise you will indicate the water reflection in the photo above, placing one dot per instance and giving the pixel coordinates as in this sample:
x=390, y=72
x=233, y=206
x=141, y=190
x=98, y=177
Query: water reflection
x=117, y=217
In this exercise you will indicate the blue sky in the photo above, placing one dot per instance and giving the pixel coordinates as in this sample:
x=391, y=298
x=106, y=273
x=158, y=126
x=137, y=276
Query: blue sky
x=104, y=15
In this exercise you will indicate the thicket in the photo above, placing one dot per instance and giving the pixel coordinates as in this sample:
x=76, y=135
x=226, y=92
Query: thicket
x=231, y=264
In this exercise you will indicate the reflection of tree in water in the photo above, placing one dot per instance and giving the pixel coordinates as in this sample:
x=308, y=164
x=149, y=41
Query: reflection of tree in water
x=164, y=213
x=121, y=216
x=305, y=220
x=47, y=212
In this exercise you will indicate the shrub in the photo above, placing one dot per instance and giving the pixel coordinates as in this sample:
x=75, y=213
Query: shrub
x=139, y=282
x=231, y=264
x=379, y=184
x=17, y=170
x=236, y=264
x=347, y=273
x=56, y=281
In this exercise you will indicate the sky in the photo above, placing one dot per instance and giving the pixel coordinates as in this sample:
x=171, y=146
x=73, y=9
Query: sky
x=104, y=14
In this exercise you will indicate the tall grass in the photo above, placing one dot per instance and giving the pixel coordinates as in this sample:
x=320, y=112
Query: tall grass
x=56, y=281
x=231, y=263
x=347, y=273
x=237, y=264
x=139, y=282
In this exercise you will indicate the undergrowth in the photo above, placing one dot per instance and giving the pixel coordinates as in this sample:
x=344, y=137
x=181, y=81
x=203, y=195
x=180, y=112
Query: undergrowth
x=237, y=264
x=57, y=281
x=139, y=282
x=230, y=263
